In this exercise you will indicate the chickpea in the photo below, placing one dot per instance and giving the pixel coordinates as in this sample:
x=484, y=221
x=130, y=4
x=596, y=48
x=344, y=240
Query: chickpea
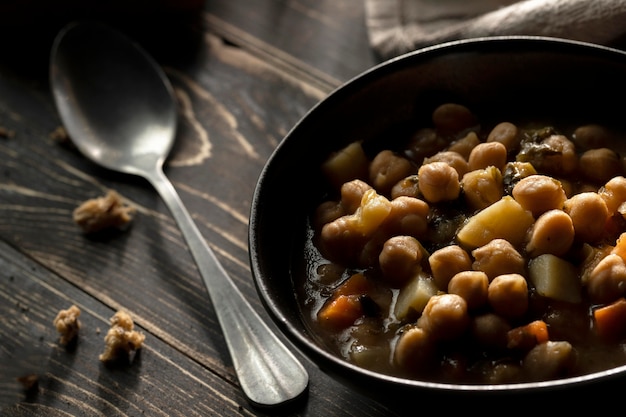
x=446, y=263
x=548, y=360
x=592, y=136
x=487, y=154
x=424, y=143
x=553, y=233
x=408, y=216
x=614, y=193
x=452, y=118
x=327, y=212
x=472, y=286
x=340, y=240
x=400, y=259
x=569, y=187
x=600, y=165
x=465, y=145
x=438, y=182
x=508, y=295
x=386, y=169
x=590, y=257
x=452, y=158
x=589, y=215
x=352, y=193
x=370, y=251
x=560, y=158
x=498, y=257
x=414, y=350
x=490, y=330
x=620, y=246
x=507, y=134
x=539, y=193
x=607, y=281
x=406, y=187
x=482, y=187
x=445, y=317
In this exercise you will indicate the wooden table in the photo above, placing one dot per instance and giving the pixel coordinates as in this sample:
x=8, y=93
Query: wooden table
x=244, y=74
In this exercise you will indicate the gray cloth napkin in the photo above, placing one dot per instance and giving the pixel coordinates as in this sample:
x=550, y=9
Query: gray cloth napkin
x=399, y=26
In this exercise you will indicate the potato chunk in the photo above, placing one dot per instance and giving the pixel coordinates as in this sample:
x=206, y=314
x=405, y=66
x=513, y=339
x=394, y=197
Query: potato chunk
x=414, y=295
x=495, y=222
x=555, y=278
x=346, y=164
x=372, y=213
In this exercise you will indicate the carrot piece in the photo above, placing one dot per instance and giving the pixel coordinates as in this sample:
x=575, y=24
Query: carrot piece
x=610, y=320
x=345, y=307
x=357, y=284
x=528, y=336
x=340, y=312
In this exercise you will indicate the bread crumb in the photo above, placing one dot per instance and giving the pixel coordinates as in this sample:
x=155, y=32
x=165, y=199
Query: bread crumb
x=102, y=213
x=121, y=339
x=6, y=133
x=28, y=382
x=67, y=324
x=60, y=135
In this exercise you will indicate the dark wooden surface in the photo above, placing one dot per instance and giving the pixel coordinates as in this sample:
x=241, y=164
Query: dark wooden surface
x=244, y=74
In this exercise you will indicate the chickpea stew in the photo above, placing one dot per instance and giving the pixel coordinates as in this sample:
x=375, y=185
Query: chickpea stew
x=473, y=254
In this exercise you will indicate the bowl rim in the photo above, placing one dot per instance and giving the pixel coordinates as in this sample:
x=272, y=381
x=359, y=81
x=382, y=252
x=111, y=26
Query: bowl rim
x=277, y=314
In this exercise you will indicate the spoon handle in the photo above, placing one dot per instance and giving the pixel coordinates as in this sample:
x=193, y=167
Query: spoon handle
x=269, y=374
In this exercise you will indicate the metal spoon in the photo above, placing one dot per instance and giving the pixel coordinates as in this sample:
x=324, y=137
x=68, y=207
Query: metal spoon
x=118, y=107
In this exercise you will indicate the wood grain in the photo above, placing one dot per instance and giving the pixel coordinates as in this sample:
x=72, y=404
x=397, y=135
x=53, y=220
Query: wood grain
x=235, y=105
x=328, y=37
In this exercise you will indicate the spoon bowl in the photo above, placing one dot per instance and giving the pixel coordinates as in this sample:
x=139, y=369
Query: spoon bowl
x=118, y=107
x=91, y=67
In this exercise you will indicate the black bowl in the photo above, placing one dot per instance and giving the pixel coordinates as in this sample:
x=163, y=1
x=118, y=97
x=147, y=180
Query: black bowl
x=501, y=78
